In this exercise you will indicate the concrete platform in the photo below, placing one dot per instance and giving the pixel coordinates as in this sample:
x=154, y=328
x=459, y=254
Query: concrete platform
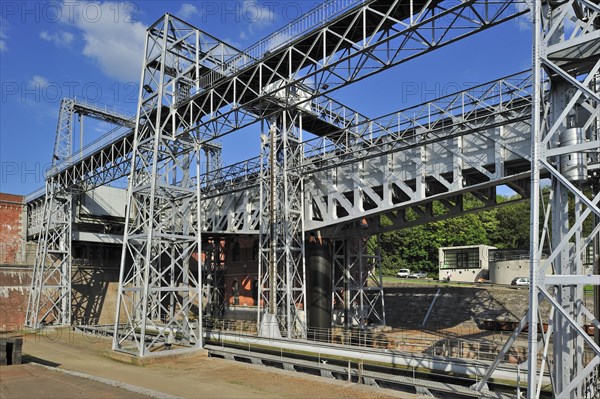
x=161, y=357
x=187, y=377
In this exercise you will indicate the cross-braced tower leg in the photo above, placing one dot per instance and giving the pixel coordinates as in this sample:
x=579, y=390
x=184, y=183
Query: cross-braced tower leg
x=282, y=288
x=214, y=269
x=357, y=283
x=50, y=295
x=565, y=135
x=159, y=302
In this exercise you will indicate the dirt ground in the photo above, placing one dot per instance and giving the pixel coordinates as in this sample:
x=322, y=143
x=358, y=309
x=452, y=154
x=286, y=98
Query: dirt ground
x=33, y=381
x=192, y=377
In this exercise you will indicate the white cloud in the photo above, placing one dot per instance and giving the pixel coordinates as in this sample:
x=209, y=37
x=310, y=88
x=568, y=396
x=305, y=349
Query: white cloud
x=3, y=35
x=60, y=38
x=42, y=95
x=187, y=11
x=38, y=82
x=523, y=25
x=112, y=40
x=256, y=16
x=524, y=21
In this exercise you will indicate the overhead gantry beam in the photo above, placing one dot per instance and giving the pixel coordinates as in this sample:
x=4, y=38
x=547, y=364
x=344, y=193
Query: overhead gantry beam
x=474, y=137
x=473, y=140
x=469, y=141
x=354, y=43
x=103, y=113
x=217, y=84
x=109, y=158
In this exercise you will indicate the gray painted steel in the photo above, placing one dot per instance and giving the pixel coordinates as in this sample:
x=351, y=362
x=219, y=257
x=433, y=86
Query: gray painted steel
x=194, y=89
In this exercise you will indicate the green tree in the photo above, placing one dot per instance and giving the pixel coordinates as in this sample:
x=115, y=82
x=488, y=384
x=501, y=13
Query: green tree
x=512, y=230
x=416, y=248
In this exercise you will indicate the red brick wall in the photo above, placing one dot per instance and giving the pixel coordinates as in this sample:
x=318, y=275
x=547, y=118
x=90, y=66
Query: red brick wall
x=14, y=292
x=242, y=266
x=12, y=243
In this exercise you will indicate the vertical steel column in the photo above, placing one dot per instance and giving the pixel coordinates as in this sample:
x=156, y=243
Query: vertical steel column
x=564, y=137
x=282, y=287
x=159, y=304
x=49, y=300
x=340, y=301
x=214, y=268
x=596, y=270
x=358, y=282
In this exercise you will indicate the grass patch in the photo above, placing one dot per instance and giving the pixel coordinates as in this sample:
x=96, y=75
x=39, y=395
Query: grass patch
x=390, y=280
x=588, y=289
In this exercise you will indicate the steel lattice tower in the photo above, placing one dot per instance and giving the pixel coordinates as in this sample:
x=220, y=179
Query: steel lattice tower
x=195, y=88
x=159, y=294
x=281, y=274
x=357, y=283
x=566, y=116
x=564, y=216
x=50, y=295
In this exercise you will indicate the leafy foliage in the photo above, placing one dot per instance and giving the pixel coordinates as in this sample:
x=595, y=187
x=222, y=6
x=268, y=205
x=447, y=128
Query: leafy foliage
x=416, y=248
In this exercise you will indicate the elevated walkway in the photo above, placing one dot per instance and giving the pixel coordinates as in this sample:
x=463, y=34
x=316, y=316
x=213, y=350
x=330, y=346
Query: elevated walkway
x=475, y=141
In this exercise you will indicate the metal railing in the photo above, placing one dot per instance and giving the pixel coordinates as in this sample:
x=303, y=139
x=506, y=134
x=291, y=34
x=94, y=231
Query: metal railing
x=100, y=143
x=434, y=343
x=318, y=16
x=40, y=192
x=409, y=125
x=504, y=255
x=103, y=108
x=231, y=177
x=440, y=344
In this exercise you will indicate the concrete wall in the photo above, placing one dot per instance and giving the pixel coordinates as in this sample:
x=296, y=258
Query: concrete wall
x=467, y=275
x=13, y=219
x=94, y=297
x=104, y=201
x=464, y=307
x=95, y=283
x=504, y=271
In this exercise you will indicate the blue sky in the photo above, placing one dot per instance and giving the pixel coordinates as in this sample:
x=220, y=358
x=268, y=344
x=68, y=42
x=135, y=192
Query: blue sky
x=93, y=50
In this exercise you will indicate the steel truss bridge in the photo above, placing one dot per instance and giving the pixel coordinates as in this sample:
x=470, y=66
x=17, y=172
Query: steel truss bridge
x=328, y=170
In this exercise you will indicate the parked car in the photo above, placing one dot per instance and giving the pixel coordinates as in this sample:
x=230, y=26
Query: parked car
x=403, y=273
x=520, y=281
x=418, y=274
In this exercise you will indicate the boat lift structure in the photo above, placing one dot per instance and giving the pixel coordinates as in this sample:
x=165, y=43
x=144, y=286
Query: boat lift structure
x=327, y=173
